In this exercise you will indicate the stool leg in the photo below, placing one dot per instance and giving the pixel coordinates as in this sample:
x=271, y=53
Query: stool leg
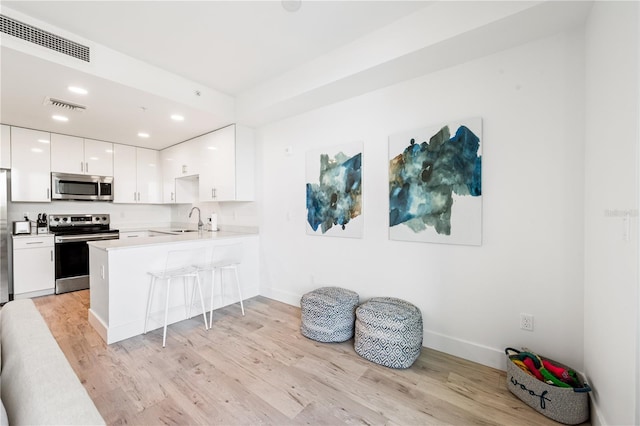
x=235, y=270
x=185, y=290
x=213, y=289
x=166, y=313
x=146, y=318
x=193, y=296
x=222, y=285
x=204, y=313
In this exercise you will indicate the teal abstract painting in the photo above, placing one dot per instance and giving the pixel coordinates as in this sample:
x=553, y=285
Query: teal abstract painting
x=334, y=191
x=435, y=184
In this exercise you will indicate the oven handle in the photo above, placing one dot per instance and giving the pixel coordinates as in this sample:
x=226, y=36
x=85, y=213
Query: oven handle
x=80, y=238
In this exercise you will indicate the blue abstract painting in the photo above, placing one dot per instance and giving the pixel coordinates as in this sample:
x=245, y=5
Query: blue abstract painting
x=334, y=191
x=435, y=184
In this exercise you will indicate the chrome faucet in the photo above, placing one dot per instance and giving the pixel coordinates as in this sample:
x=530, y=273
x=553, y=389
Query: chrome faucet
x=200, y=224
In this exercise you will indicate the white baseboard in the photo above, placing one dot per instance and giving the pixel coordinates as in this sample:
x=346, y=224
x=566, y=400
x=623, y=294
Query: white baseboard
x=98, y=324
x=596, y=415
x=471, y=351
x=289, y=298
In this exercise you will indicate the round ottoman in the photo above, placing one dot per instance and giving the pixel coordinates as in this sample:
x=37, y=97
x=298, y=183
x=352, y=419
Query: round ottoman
x=388, y=332
x=328, y=314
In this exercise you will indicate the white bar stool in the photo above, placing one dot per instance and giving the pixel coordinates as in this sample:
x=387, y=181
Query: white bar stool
x=179, y=264
x=223, y=258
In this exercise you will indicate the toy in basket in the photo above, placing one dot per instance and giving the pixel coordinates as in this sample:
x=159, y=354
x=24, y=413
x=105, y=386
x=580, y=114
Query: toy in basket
x=547, y=386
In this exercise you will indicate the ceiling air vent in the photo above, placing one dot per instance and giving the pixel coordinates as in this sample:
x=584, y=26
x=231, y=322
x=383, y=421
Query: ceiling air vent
x=43, y=38
x=69, y=106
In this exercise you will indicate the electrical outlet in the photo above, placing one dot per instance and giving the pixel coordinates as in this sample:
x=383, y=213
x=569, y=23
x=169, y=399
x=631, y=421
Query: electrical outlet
x=526, y=322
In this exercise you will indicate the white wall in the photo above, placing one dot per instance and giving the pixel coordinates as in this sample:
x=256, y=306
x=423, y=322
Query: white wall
x=611, y=261
x=531, y=101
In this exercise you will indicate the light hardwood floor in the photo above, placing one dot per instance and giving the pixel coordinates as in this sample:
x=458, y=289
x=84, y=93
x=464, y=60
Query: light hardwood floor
x=259, y=369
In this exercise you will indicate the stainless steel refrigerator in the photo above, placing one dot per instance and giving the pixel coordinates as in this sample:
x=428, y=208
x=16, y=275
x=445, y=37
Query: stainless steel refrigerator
x=4, y=239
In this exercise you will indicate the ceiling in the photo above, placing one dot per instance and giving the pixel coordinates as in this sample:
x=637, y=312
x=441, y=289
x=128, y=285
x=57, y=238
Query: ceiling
x=227, y=46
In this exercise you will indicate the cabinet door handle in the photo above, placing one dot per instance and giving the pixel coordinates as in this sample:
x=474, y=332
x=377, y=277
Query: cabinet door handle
x=82, y=166
x=86, y=167
x=134, y=196
x=172, y=196
x=213, y=193
x=138, y=196
x=34, y=242
x=48, y=196
x=51, y=255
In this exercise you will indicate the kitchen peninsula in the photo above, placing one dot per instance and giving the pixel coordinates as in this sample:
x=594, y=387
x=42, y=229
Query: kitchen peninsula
x=120, y=281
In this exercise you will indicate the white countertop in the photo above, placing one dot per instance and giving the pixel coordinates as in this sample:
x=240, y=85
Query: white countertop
x=167, y=239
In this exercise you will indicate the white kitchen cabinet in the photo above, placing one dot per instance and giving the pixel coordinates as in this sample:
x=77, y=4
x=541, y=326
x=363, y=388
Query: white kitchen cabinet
x=5, y=146
x=30, y=165
x=33, y=266
x=227, y=165
x=98, y=157
x=67, y=154
x=179, y=162
x=125, y=187
x=148, y=176
x=70, y=154
x=136, y=175
x=169, y=169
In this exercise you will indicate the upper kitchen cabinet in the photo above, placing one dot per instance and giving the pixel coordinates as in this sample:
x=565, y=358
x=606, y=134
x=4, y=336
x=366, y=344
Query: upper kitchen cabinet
x=30, y=165
x=178, y=162
x=70, y=154
x=98, y=157
x=136, y=175
x=5, y=147
x=148, y=176
x=227, y=164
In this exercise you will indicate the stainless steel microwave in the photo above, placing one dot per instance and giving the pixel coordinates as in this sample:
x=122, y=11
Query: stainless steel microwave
x=65, y=186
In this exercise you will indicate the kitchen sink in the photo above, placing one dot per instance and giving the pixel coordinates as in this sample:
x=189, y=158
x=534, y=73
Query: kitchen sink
x=184, y=230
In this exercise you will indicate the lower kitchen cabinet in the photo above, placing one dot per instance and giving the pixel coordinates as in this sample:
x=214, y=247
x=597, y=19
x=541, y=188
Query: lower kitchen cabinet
x=133, y=234
x=33, y=266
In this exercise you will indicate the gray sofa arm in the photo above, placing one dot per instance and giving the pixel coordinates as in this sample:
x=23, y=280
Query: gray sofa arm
x=38, y=386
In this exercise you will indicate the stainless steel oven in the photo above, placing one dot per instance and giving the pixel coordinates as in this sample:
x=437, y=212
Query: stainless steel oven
x=72, y=232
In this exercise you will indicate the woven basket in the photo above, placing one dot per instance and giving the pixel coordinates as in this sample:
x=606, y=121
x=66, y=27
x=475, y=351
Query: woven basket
x=565, y=405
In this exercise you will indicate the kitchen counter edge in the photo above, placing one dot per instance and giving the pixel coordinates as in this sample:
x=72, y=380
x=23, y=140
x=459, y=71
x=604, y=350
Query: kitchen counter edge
x=168, y=239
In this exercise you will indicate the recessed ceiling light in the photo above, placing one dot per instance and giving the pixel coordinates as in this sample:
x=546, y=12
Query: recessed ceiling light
x=177, y=117
x=36, y=150
x=78, y=90
x=59, y=118
x=43, y=141
x=143, y=134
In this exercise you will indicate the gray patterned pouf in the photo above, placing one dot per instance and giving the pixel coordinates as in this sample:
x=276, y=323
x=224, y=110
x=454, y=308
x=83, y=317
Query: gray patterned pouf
x=328, y=314
x=388, y=332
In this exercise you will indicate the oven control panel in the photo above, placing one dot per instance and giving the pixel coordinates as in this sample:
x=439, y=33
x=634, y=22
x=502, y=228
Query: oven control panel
x=78, y=220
